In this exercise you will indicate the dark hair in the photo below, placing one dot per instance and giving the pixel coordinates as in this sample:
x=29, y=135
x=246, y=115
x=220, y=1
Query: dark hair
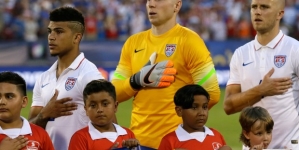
x=100, y=85
x=71, y=15
x=14, y=78
x=184, y=97
x=249, y=116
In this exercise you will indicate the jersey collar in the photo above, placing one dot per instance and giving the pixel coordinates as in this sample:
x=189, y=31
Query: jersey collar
x=75, y=64
x=96, y=134
x=183, y=135
x=26, y=129
x=272, y=44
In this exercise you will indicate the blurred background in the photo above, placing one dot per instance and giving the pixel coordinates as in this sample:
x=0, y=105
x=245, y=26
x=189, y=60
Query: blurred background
x=223, y=24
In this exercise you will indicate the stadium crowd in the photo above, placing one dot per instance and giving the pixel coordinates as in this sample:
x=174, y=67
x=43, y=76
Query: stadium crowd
x=117, y=19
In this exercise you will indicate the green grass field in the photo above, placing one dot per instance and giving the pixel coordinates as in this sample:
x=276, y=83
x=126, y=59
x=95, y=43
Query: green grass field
x=227, y=125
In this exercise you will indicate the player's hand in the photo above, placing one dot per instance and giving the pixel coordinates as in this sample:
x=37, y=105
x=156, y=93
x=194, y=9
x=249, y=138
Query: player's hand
x=57, y=108
x=274, y=86
x=160, y=74
x=130, y=143
x=13, y=144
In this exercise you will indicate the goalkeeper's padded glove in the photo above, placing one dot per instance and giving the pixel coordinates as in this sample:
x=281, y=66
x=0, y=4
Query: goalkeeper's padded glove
x=161, y=74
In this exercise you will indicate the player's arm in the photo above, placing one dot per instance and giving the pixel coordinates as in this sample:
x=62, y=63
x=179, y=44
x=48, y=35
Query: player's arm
x=201, y=67
x=54, y=108
x=122, y=74
x=235, y=100
x=36, y=117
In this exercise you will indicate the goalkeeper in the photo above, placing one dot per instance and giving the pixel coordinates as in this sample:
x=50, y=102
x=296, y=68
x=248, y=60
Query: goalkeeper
x=154, y=64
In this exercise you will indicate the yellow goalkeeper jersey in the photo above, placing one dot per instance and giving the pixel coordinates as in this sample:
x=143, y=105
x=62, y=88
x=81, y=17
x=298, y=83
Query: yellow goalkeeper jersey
x=153, y=113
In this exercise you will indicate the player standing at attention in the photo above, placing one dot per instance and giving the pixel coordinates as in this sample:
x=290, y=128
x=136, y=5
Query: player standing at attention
x=265, y=71
x=191, y=103
x=57, y=95
x=178, y=57
x=16, y=133
x=101, y=133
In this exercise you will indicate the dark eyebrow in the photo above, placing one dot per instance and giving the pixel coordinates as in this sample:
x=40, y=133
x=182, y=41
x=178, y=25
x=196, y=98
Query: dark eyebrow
x=58, y=28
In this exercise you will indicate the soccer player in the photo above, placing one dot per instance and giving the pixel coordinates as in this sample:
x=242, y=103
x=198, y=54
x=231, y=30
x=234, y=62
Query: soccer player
x=265, y=71
x=179, y=57
x=57, y=95
x=257, y=126
x=101, y=133
x=191, y=103
x=15, y=131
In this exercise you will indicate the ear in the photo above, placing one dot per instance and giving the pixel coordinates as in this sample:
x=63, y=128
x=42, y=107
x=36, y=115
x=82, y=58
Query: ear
x=24, y=101
x=280, y=14
x=178, y=110
x=77, y=39
x=178, y=6
x=116, y=105
x=245, y=134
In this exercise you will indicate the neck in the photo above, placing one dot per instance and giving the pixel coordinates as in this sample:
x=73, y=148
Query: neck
x=191, y=130
x=105, y=128
x=64, y=61
x=163, y=28
x=265, y=38
x=18, y=123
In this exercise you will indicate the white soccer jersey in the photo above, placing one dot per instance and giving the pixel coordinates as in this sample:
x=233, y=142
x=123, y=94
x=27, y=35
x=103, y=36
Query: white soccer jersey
x=249, y=65
x=70, y=83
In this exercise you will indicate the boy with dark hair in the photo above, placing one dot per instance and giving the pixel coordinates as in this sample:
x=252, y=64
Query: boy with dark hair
x=101, y=133
x=15, y=131
x=257, y=126
x=62, y=114
x=192, y=105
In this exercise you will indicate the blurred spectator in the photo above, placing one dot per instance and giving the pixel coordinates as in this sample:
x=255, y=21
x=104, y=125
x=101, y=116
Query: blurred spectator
x=118, y=19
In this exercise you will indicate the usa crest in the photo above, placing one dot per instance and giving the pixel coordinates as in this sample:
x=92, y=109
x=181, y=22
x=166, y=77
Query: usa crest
x=70, y=83
x=169, y=50
x=280, y=60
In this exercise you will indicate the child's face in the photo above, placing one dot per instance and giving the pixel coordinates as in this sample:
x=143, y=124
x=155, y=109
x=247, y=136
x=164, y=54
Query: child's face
x=11, y=102
x=196, y=117
x=258, y=135
x=100, y=108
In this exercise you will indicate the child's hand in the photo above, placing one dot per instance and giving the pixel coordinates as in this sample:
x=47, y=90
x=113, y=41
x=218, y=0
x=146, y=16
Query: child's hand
x=13, y=144
x=257, y=147
x=225, y=147
x=130, y=143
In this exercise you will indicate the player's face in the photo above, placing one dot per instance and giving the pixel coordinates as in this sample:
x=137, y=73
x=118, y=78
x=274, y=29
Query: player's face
x=11, y=102
x=196, y=117
x=100, y=108
x=161, y=11
x=265, y=15
x=60, y=38
x=258, y=135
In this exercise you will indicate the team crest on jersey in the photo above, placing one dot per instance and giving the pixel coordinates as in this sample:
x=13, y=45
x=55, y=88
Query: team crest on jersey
x=280, y=60
x=216, y=145
x=70, y=83
x=32, y=145
x=169, y=50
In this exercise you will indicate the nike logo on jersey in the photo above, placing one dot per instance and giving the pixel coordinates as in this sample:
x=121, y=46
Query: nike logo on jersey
x=45, y=85
x=136, y=51
x=146, y=80
x=247, y=63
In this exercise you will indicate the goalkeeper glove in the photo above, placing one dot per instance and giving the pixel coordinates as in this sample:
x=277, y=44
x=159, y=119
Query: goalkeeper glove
x=161, y=74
